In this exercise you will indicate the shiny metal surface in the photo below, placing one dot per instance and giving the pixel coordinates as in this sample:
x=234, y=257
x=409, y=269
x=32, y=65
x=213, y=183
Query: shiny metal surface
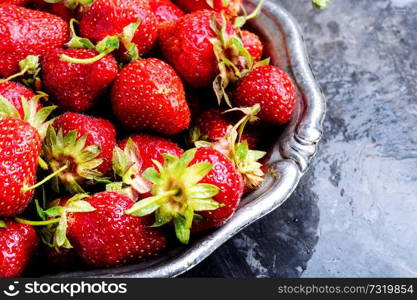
x=288, y=161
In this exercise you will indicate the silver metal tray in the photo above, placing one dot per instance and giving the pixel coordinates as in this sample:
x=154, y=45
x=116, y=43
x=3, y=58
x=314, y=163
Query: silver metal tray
x=288, y=161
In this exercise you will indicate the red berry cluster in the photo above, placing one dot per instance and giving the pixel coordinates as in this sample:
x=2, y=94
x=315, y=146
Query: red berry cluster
x=122, y=119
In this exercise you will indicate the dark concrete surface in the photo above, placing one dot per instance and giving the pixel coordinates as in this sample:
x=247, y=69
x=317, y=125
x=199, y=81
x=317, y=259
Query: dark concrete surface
x=354, y=214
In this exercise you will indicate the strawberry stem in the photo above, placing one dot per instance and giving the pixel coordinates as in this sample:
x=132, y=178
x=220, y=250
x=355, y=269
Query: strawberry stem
x=85, y=60
x=37, y=223
x=47, y=178
x=29, y=65
x=240, y=21
x=14, y=76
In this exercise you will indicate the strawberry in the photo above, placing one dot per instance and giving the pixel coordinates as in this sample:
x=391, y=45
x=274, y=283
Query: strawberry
x=77, y=87
x=148, y=95
x=18, y=243
x=38, y=33
x=270, y=87
x=165, y=10
x=253, y=44
x=229, y=7
x=202, y=180
x=186, y=45
x=212, y=125
x=100, y=231
x=20, y=148
x=81, y=144
x=106, y=18
x=14, y=92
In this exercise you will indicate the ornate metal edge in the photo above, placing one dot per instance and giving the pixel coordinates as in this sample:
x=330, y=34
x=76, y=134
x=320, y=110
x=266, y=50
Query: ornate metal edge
x=290, y=159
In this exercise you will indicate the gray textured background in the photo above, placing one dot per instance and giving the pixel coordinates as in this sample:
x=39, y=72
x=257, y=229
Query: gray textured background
x=355, y=212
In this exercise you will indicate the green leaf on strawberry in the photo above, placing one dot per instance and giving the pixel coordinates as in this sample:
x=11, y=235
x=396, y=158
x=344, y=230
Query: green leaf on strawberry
x=126, y=167
x=176, y=193
x=61, y=150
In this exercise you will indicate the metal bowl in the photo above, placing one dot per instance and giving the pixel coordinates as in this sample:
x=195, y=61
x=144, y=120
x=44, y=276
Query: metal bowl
x=288, y=161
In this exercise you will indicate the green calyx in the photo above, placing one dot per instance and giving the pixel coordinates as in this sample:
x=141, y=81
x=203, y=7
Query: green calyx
x=28, y=66
x=105, y=46
x=77, y=42
x=68, y=151
x=55, y=219
x=233, y=59
x=36, y=118
x=177, y=193
x=126, y=167
x=321, y=4
x=245, y=159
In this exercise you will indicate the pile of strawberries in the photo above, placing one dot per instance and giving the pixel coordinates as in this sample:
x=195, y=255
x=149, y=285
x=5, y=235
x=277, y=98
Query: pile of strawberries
x=121, y=120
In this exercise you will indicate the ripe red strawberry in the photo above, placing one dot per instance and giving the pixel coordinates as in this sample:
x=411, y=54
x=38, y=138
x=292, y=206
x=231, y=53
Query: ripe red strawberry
x=107, y=236
x=77, y=87
x=211, y=125
x=186, y=45
x=203, y=181
x=225, y=176
x=270, y=87
x=229, y=7
x=14, y=92
x=108, y=18
x=253, y=44
x=18, y=243
x=20, y=147
x=165, y=10
x=151, y=148
x=38, y=33
x=84, y=144
x=148, y=95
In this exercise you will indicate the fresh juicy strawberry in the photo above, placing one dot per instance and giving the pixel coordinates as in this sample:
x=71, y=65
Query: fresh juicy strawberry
x=107, y=236
x=270, y=87
x=253, y=44
x=148, y=95
x=186, y=45
x=108, y=18
x=151, y=148
x=38, y=33
x=77, y=87
x=203, y=184
x=82, y=143
x=18, y=243
x=228, y=7
x=14, y=92
x=20, y=147
x=212, y=126
x=225, y=176
x=165, y=10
